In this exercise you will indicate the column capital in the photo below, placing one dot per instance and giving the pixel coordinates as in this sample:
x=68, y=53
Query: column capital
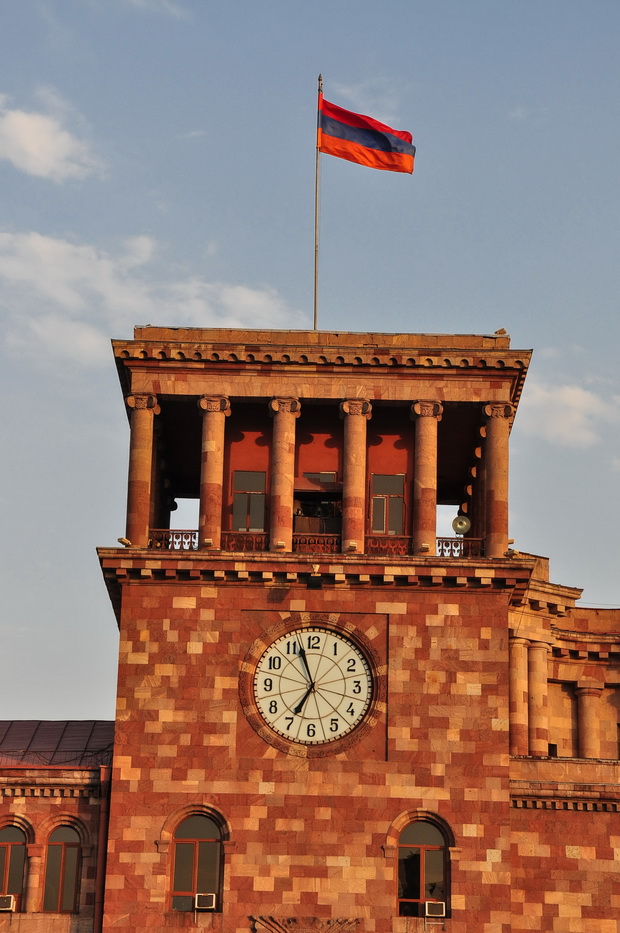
x=146, y=401
x=498, y=410
x=290, y=405
x=214, y=403
x=518, y=640
x=588, y=690
x=35, y=849
x=356, y=406
x=426, y=408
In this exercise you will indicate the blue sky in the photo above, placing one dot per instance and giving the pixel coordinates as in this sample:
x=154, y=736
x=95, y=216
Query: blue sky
x=157, y=167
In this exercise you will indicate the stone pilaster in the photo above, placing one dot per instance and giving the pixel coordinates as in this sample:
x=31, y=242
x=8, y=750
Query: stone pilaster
x=427, y=415
x=518, y=715
x=538, y=709
x=284, y=411
x=214, y=412
x=588, y=721
x=355, y=413
x=140, y=482
x=496, y=478
x=34, y=894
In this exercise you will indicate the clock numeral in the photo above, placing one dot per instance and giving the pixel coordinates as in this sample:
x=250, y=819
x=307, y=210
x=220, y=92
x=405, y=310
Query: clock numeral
x=350, y=709
x=351, y=665
x=289, y=721
x=333, y=725
x=292, y=647
x=311, y=729
x=314, y=642
x=357, y=686
x=274, y=663
x=273, y=706
x=335, y=649
x=268, y=685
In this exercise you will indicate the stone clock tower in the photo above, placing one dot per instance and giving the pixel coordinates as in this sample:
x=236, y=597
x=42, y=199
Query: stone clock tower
x=327, y=712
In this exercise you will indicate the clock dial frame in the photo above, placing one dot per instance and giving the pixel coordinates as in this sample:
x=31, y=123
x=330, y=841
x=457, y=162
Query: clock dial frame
x=311, y=688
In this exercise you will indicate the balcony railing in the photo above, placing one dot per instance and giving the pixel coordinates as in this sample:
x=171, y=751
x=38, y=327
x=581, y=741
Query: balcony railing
x=258, y=541
x=460, y=547
x=317, y=544
x=245, y=541
x=173, y=539
x=388, y=545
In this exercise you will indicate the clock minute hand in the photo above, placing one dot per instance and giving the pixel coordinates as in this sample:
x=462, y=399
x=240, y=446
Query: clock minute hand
x=302, y=655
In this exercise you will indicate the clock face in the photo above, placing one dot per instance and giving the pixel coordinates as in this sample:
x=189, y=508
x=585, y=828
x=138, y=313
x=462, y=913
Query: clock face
x=313, y=685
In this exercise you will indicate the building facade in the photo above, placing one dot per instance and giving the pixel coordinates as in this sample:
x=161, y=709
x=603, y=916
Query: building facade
x=328, y=717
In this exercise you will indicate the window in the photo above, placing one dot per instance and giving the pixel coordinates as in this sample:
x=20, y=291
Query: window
x=197, y=861
x=388, y=504
x=248, y=500
x=62, y=867
x=12, y=860
x=422, y=867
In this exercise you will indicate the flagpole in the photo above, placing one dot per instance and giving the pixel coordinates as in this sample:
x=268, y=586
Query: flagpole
x=316, y=207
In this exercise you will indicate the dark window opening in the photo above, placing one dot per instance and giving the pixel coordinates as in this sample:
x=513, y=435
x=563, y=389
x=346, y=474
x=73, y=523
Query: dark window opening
x=197, y=861
x=387, y=504
x=553, y=750
x=62, y=868
x=319, y=510
x=248, y=500
x=422, y=868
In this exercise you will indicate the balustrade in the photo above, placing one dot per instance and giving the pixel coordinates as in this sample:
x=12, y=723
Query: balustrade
x=177, y=539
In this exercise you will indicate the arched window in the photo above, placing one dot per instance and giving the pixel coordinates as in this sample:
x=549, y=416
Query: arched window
x=197, y=865
x=422, y=869
x=12, y=860
x=62, y=869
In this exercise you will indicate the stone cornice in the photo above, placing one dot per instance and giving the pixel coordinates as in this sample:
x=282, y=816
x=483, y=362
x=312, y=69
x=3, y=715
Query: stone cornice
x=132, y=566
x=49, y=782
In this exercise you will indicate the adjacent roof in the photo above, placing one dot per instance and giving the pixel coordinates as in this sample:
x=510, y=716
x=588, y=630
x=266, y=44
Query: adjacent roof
x=69, y=743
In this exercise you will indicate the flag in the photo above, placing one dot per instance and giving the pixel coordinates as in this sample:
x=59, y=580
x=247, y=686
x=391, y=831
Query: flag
x=361, y=139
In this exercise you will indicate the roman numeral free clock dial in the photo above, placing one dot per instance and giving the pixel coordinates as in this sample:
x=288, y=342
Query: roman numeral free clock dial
x=313, y=686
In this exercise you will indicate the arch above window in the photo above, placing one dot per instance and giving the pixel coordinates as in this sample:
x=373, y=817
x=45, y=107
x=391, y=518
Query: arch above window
x=423, y=869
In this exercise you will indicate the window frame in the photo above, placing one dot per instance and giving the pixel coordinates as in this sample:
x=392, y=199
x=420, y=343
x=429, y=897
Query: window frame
x=249, y=495
x=218, y=861
x=424, y=850
x=8, y=870
x=63, y=883
x=387, y=499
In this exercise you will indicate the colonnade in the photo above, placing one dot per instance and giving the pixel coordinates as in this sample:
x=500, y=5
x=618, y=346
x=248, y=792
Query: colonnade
x=355, y=413
x=529, y=708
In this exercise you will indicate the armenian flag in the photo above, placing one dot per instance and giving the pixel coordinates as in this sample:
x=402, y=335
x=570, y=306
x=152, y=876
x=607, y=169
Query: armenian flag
x=361, y=139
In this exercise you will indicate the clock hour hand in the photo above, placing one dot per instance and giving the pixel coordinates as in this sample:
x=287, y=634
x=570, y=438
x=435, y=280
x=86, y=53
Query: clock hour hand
x=300, y=705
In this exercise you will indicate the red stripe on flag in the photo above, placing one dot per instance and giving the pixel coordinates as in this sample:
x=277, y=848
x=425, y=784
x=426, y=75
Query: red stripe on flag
x=373, y=158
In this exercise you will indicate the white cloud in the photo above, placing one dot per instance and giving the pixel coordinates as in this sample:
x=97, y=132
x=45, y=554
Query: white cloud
x=39, y=144
x=376, y=97
x=567, y=415
x=62, y=301
x=159, y=6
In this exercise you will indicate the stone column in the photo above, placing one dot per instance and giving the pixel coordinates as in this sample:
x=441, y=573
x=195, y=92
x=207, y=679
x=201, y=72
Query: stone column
x=284, y=411
x=139, y=485
x=355, y=413
x=518, y=719
x=496, y=478
x=34, y=892
x=538, y=711
x=214, y=412
x=588, y=721
x=427, y=416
